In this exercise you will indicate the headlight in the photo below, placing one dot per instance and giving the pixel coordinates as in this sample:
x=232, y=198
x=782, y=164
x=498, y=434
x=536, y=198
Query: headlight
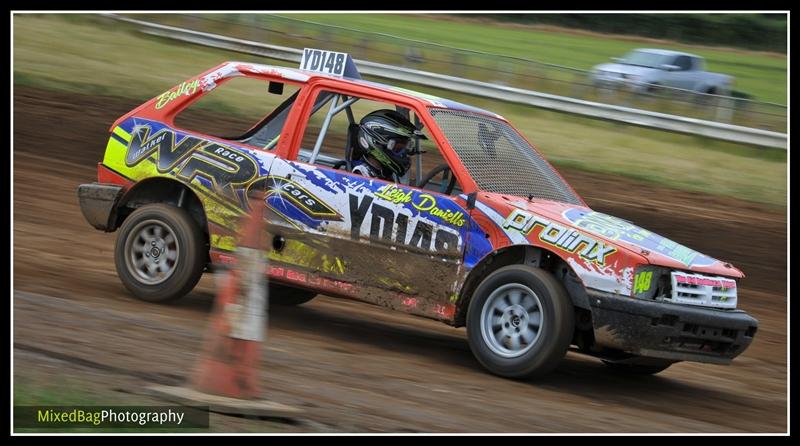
x=663, y=284
x=702, y=290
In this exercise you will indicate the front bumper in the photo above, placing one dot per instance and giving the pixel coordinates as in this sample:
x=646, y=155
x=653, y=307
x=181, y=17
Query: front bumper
x=618, y=83
x=99, y=204
x=670, y=331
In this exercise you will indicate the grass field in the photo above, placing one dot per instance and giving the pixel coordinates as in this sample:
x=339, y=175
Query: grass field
x=89, y=56
x=761, y=75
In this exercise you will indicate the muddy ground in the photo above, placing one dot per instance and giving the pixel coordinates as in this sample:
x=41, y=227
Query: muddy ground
x=351, y=366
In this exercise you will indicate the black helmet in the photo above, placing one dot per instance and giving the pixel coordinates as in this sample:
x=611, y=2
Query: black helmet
x=386, y=134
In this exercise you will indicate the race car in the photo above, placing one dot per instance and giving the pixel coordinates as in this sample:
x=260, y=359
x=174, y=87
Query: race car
x=481, y=231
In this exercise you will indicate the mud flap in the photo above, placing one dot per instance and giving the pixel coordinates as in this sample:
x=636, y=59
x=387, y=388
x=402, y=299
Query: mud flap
x=98, y=204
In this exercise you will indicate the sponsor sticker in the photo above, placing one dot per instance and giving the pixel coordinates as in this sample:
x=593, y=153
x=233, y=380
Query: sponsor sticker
x=184, y=89
x=616, y=229
x=724, y=284
x=562, y=237
x=642, y=281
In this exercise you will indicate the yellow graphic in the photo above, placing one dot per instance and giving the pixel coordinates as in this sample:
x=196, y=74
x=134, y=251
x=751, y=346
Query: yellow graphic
x=394, y=194
x=218, y=212
x=641, y=283
x=224, y=242
x=423, y=203
x=185, y=88
x=225, y=214
x=119, y=131
x=427, y=204
x=298, y=253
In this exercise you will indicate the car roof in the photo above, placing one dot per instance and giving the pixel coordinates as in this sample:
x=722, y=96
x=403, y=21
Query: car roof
x=665, y=52
x=302, y=76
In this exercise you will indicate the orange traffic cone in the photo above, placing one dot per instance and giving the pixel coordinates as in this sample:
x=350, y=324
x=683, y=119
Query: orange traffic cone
x=228, y=365
x=226, y=378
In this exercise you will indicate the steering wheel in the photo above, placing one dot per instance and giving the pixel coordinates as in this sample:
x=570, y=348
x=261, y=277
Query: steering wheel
x=446, y=186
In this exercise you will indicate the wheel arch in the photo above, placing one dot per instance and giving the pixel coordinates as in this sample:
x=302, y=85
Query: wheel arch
x=167, y=191
x=525, y=255
x=709, y=89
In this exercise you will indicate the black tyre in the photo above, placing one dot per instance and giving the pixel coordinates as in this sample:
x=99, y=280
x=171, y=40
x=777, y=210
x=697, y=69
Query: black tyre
x=160, y=253
x=643, y=366
x=654, y=89
x=288, y=296
x=520, y=322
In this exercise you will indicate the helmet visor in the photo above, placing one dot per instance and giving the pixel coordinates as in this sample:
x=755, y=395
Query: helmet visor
x=397, y=145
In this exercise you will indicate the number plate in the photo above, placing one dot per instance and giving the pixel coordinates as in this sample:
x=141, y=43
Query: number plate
x=325, y=62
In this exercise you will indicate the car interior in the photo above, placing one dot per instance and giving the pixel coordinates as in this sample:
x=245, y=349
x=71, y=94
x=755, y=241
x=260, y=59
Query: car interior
x=335, y=145
x=331, y=135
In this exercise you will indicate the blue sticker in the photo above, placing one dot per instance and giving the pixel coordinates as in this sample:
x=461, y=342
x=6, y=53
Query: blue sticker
x=614, y=228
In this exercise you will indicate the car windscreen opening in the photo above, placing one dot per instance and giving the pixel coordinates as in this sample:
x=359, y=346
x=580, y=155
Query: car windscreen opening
x=499, y=159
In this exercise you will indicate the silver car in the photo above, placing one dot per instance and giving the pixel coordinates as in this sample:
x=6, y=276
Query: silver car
x=646, y=69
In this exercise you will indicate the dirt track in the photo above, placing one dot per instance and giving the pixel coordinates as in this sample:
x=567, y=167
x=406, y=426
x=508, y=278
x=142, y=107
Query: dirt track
x=355, y=367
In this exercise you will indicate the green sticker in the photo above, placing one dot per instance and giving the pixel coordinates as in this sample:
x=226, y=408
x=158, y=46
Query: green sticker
x=641, y=282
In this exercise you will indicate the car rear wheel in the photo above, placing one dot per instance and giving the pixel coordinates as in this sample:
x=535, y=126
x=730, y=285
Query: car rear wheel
x=159, y=253
x=520, y=322
x=654, y=89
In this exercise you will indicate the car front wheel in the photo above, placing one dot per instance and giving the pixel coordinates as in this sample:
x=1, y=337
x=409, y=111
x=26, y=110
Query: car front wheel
x=520, y=322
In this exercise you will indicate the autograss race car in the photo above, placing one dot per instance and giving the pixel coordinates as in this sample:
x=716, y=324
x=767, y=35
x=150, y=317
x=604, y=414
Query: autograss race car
x=482, y=232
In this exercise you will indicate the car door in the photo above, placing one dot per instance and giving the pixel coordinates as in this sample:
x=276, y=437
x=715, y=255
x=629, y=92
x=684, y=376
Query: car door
x=685, y=76
x=384, y=242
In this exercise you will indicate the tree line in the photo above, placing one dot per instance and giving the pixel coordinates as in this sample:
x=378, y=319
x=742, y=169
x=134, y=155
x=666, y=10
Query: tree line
x=764, y=32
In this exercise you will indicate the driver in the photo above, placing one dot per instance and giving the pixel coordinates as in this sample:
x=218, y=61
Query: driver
x=384, y=140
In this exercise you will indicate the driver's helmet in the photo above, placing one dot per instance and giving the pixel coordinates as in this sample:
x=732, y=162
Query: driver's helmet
x=386, y=136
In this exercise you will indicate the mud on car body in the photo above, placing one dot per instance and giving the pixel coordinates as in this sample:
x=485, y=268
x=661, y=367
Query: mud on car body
x=486, y=234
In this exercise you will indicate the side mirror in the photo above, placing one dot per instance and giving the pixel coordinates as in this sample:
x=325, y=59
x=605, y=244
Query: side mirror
x=471, y=200
x=669, y=67
x=275, y=87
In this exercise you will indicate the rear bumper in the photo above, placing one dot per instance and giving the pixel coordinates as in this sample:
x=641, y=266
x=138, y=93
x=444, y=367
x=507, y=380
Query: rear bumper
x=670, y=331
x=99, y=203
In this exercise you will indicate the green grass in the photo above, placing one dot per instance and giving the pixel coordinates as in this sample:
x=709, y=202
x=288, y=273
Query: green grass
x=761, y=75
x=90, y=56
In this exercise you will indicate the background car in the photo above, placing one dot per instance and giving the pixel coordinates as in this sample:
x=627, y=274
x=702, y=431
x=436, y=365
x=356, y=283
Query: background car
x=646, y=69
